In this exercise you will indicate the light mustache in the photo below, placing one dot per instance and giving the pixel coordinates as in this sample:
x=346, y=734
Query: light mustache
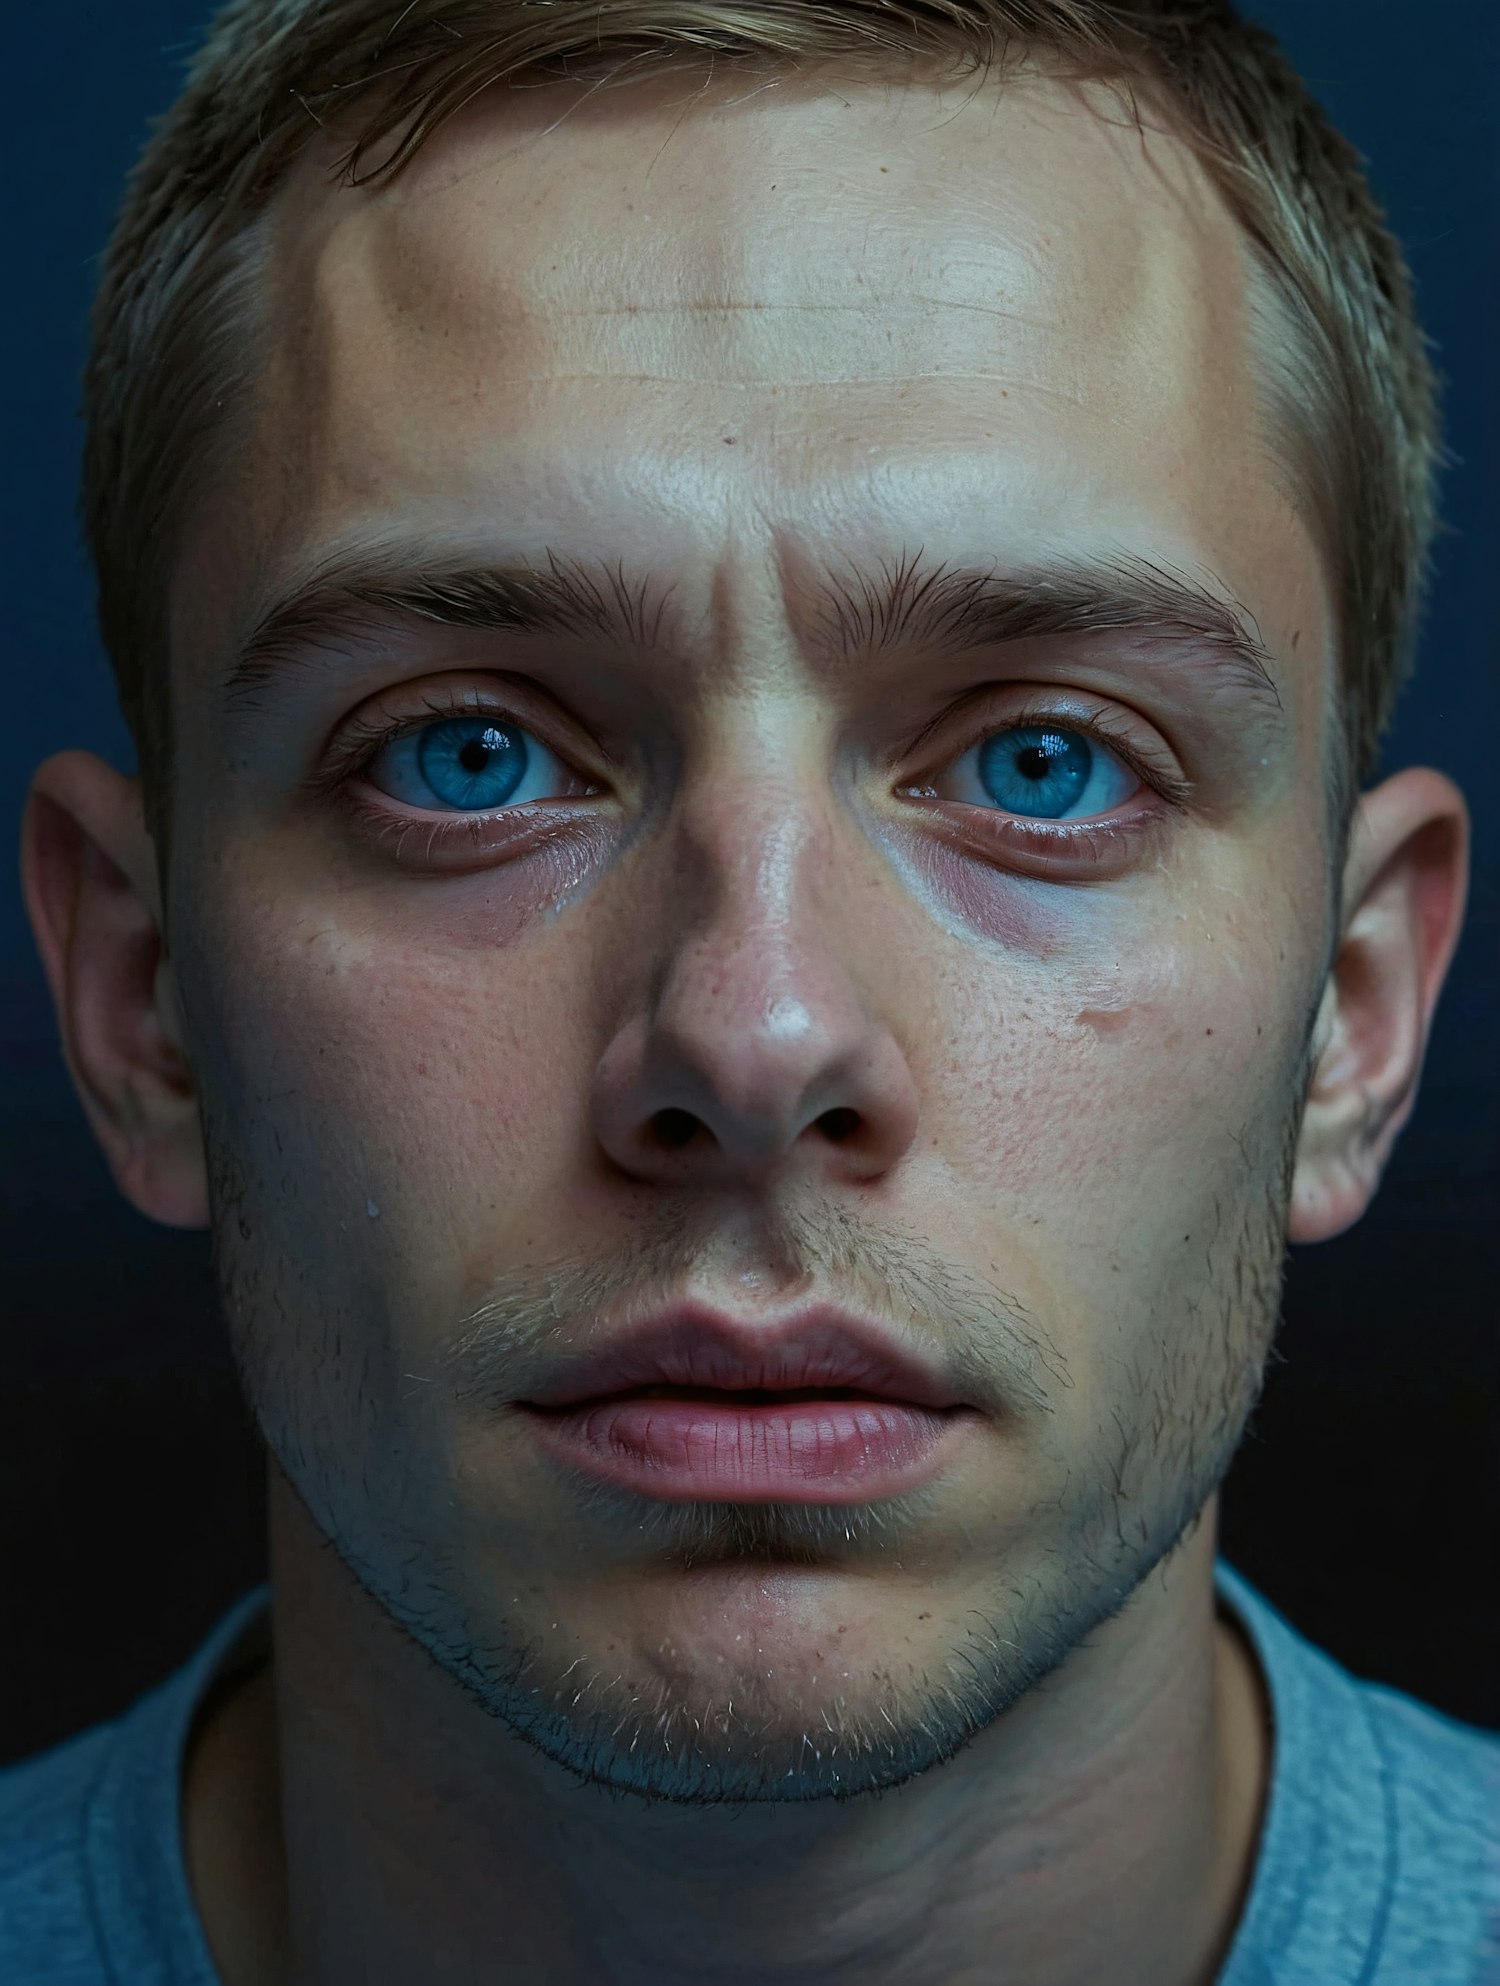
x=995, y=1352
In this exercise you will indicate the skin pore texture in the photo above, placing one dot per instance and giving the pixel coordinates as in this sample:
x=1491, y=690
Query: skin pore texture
x=740, y=357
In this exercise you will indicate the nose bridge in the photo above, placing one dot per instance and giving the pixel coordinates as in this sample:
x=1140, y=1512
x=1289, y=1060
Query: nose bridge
x=762, y=1022
x=754, y=851
x=759, y=983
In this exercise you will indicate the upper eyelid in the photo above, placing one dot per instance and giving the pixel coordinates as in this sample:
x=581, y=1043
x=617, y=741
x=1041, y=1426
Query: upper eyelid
x=381, y=732
x=363, y=739
x=1116, y=748
x=1146, y=765
x=353, y=753
x=972, y=714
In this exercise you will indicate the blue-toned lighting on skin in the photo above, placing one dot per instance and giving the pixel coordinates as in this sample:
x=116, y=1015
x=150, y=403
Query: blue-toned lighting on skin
x=1046, y=772
x=473, y=763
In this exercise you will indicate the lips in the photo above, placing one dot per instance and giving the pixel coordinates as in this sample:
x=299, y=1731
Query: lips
x=696, y=1406
x=695, y=1351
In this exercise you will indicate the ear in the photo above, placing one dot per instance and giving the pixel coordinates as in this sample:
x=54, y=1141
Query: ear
x=1405, y=882
x=88, y=872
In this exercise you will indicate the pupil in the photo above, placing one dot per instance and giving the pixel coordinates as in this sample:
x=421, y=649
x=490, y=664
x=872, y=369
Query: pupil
x=466, y=767
x=1035, y=770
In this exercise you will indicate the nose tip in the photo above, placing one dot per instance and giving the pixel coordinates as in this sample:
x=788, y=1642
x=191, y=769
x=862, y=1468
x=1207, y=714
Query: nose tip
x=758, y=1033
x=736, y=1102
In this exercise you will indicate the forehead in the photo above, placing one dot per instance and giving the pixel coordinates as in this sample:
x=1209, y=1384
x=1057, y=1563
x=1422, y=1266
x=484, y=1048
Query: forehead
x=667, y=317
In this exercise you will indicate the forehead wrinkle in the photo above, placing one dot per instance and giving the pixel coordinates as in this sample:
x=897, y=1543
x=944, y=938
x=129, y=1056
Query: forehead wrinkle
x=358, y=465
x=693, y=265
x=403, y=241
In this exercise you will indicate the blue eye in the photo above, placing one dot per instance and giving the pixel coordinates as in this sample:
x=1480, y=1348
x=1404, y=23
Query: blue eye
x=473, y=762
x=1043, y=772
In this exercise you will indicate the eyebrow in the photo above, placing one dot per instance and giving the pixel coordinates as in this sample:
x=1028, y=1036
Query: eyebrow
x=358, y=593
x=860, y=612
x=958, y=608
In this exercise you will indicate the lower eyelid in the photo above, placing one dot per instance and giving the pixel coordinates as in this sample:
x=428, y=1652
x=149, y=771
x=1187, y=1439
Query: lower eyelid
x=446, y=840
x=1091, y=850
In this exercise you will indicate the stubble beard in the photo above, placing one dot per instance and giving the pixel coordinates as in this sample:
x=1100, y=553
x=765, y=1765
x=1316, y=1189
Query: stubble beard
x=1175, y=1429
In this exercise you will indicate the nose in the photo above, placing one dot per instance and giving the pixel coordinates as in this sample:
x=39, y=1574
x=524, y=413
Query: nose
x=762, y=1040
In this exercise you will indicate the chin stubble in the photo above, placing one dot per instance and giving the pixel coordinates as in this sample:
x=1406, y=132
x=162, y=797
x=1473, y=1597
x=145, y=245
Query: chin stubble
x=1173, y=1433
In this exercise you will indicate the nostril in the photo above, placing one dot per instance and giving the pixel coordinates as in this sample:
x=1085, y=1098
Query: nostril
x=673, y=1128
x=837, y=1125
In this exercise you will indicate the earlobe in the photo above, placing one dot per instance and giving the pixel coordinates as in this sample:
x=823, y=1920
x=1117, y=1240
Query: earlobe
x=89, y=879
x=1405, y=884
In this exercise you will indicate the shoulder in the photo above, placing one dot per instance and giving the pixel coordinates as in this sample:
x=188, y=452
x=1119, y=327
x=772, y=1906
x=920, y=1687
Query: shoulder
x=94, y=1890
x=1441, y=1780
x=1380, y=1851
x=47, y=1925
x=1437, y=1783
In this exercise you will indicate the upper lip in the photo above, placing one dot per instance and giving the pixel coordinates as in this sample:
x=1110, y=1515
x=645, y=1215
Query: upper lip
x=693, y=1346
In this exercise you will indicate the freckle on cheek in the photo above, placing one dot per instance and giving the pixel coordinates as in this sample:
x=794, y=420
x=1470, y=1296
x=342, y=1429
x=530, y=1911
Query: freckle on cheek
x=1104, y=1020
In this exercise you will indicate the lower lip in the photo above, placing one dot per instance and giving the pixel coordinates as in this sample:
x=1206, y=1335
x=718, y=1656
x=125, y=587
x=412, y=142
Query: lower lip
x=806, y=1451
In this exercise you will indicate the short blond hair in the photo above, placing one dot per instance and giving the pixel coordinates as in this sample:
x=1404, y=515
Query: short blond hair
x=167, y=386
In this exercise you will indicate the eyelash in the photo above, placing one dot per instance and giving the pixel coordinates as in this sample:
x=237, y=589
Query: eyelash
x=365, y=738
x=1151, y=768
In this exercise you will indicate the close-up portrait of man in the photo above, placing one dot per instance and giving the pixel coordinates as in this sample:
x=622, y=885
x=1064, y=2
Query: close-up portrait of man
x=759, y=898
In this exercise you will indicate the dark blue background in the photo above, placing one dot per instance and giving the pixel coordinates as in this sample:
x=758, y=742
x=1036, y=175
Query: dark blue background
x=1365, y=1502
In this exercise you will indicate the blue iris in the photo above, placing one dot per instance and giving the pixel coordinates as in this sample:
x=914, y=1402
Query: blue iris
x=472, y=761
x=1035, y=770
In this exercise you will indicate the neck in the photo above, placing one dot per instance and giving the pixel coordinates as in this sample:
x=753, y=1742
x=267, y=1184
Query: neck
x=353, y=1817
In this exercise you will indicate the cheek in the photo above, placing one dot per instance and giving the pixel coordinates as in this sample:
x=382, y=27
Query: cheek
x=1111, y=1082
x=421, y=1076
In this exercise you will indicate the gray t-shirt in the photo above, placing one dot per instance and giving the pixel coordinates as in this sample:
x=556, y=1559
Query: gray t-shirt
x=1379, y=1862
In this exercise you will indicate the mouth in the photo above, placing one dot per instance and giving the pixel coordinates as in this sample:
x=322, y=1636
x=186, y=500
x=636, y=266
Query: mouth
x=819, y=1407
x=692, y=1351
x=750, y=1444
x=735, y=1396
x=679, y=1444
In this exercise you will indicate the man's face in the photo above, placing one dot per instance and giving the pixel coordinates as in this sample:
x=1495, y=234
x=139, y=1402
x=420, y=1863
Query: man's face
x=773, y=955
